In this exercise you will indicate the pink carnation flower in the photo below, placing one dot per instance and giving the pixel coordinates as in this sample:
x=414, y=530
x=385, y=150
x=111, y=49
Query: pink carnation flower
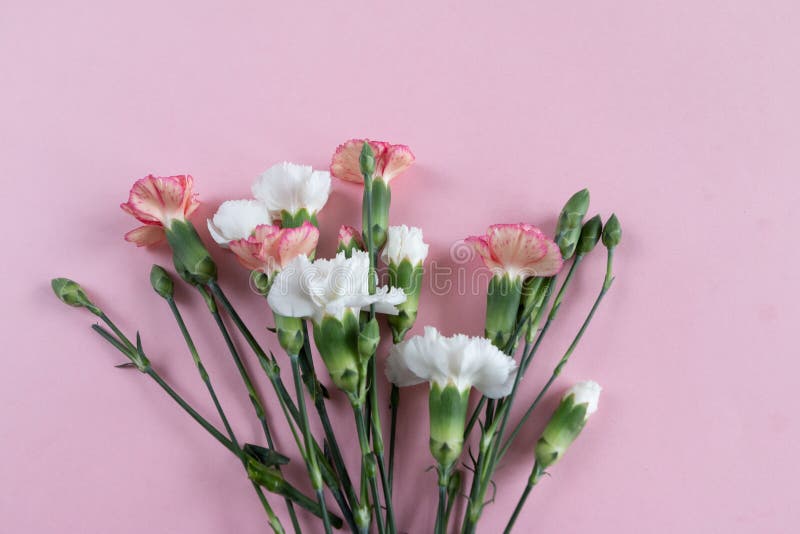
x=520, y=250
x=271, y=248
x=349, y=236
x=390, y=160
x=157, y=201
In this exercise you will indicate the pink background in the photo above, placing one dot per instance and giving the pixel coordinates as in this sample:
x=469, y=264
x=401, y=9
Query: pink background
x=680, y=116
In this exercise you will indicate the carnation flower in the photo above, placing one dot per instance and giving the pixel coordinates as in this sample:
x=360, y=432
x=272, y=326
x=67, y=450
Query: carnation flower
x=390, y=160
x=329, y=288
x=519, y=250
x=237, y=219
x=271, y=248
x=459, y=360
x=404, y=243
x=287, y=189
x=158, y=201
x=349, y=239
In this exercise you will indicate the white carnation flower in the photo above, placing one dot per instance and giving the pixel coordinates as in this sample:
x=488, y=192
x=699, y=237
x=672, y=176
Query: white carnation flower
x=403, y=242
x=459, y=360
x=329, y=287
x=291, y=187
x=587, y=392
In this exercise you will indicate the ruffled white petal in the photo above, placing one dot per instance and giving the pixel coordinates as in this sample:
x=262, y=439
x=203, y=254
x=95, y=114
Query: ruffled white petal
x=329, y=287
x=459, y=360
x=237, y=219
x=404, y=242
x=291, y=187
x=586, y=392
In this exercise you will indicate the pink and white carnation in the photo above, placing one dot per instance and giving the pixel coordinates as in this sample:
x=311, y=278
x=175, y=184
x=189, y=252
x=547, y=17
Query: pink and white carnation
x=271, y=248
x=390, y=160
x=156, y=201
x=349, y=237
x=519, y=250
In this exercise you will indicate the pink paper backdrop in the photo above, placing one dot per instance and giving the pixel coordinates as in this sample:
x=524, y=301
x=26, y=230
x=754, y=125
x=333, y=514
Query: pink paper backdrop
x=680, y=116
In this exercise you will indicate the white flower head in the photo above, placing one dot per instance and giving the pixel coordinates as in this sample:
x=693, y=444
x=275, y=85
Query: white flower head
x=237, y=219
x=586, y=392
x=329, y=287
x=291, y=187
x=459, y=360
x=404, y=242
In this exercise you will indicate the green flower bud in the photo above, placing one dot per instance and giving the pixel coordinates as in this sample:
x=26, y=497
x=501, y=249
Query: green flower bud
x=567, y=421
x=192, y=260
x=367, y=159
x=590, y=235
x=161, y=282
x=290, y=333
x=72, y=294
x=407, y=277
x=260, y=282
x=502, y=306
x=448, y=414
x=381, y=198
x=268, y=477
x=368, y=339
x=337, y=342
x=612, y=232
x=349, y=240
x=568, y=228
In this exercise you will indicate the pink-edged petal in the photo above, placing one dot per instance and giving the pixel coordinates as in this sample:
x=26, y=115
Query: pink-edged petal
x=345, y=164
x=295, y=242
x=348, y=234
x=481, y=247
x=145, y=236
x=248, y=252
x=396, y=159
x=550, y=264
x=155, y=199
x=516, y=246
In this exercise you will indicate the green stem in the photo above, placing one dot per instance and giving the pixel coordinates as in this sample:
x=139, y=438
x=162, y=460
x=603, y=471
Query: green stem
x=536, y=472
x=215, y=399
x=441, y=510
x=255, y=400
x=368, y=464
x=394, y=405
x=565, y=358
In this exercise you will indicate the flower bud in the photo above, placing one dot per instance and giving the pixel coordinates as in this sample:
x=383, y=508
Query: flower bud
x=568, y=228
x=502, y=306
x=368, y=339
x=190, y=256
x=448, y=414
x=590, y=235
x=290, y=333
x=367, y=159
x=381, y=198
x=578, y=403
x=161, y=282
x=349, y=240
x=612, y=232
x=71, y=293
x=338, y=343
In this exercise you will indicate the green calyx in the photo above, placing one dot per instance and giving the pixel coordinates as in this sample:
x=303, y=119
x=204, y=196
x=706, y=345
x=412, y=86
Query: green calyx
x=448, y=413
x=162, y=282
x=337, y=341
x=381, y=198
x=590, y=235
x=562, y=429
x=568, y=228
x=407, y=277
x=71, y=293
x=295, y=220
x=260, y=282
x=290, y=333
x=612, y=232
x=502, y=306
x=192, y=261
x=349, y=247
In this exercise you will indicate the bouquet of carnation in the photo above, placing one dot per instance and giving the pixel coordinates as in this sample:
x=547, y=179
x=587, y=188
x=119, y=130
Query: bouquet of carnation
x=326, y=315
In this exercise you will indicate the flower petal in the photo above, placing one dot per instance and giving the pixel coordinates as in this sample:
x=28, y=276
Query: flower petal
x=237, y=219
x=345, y=164
x=296, y=241
x=396, y=159
x=291, y=187
x=155, y=199
x=146, y=235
